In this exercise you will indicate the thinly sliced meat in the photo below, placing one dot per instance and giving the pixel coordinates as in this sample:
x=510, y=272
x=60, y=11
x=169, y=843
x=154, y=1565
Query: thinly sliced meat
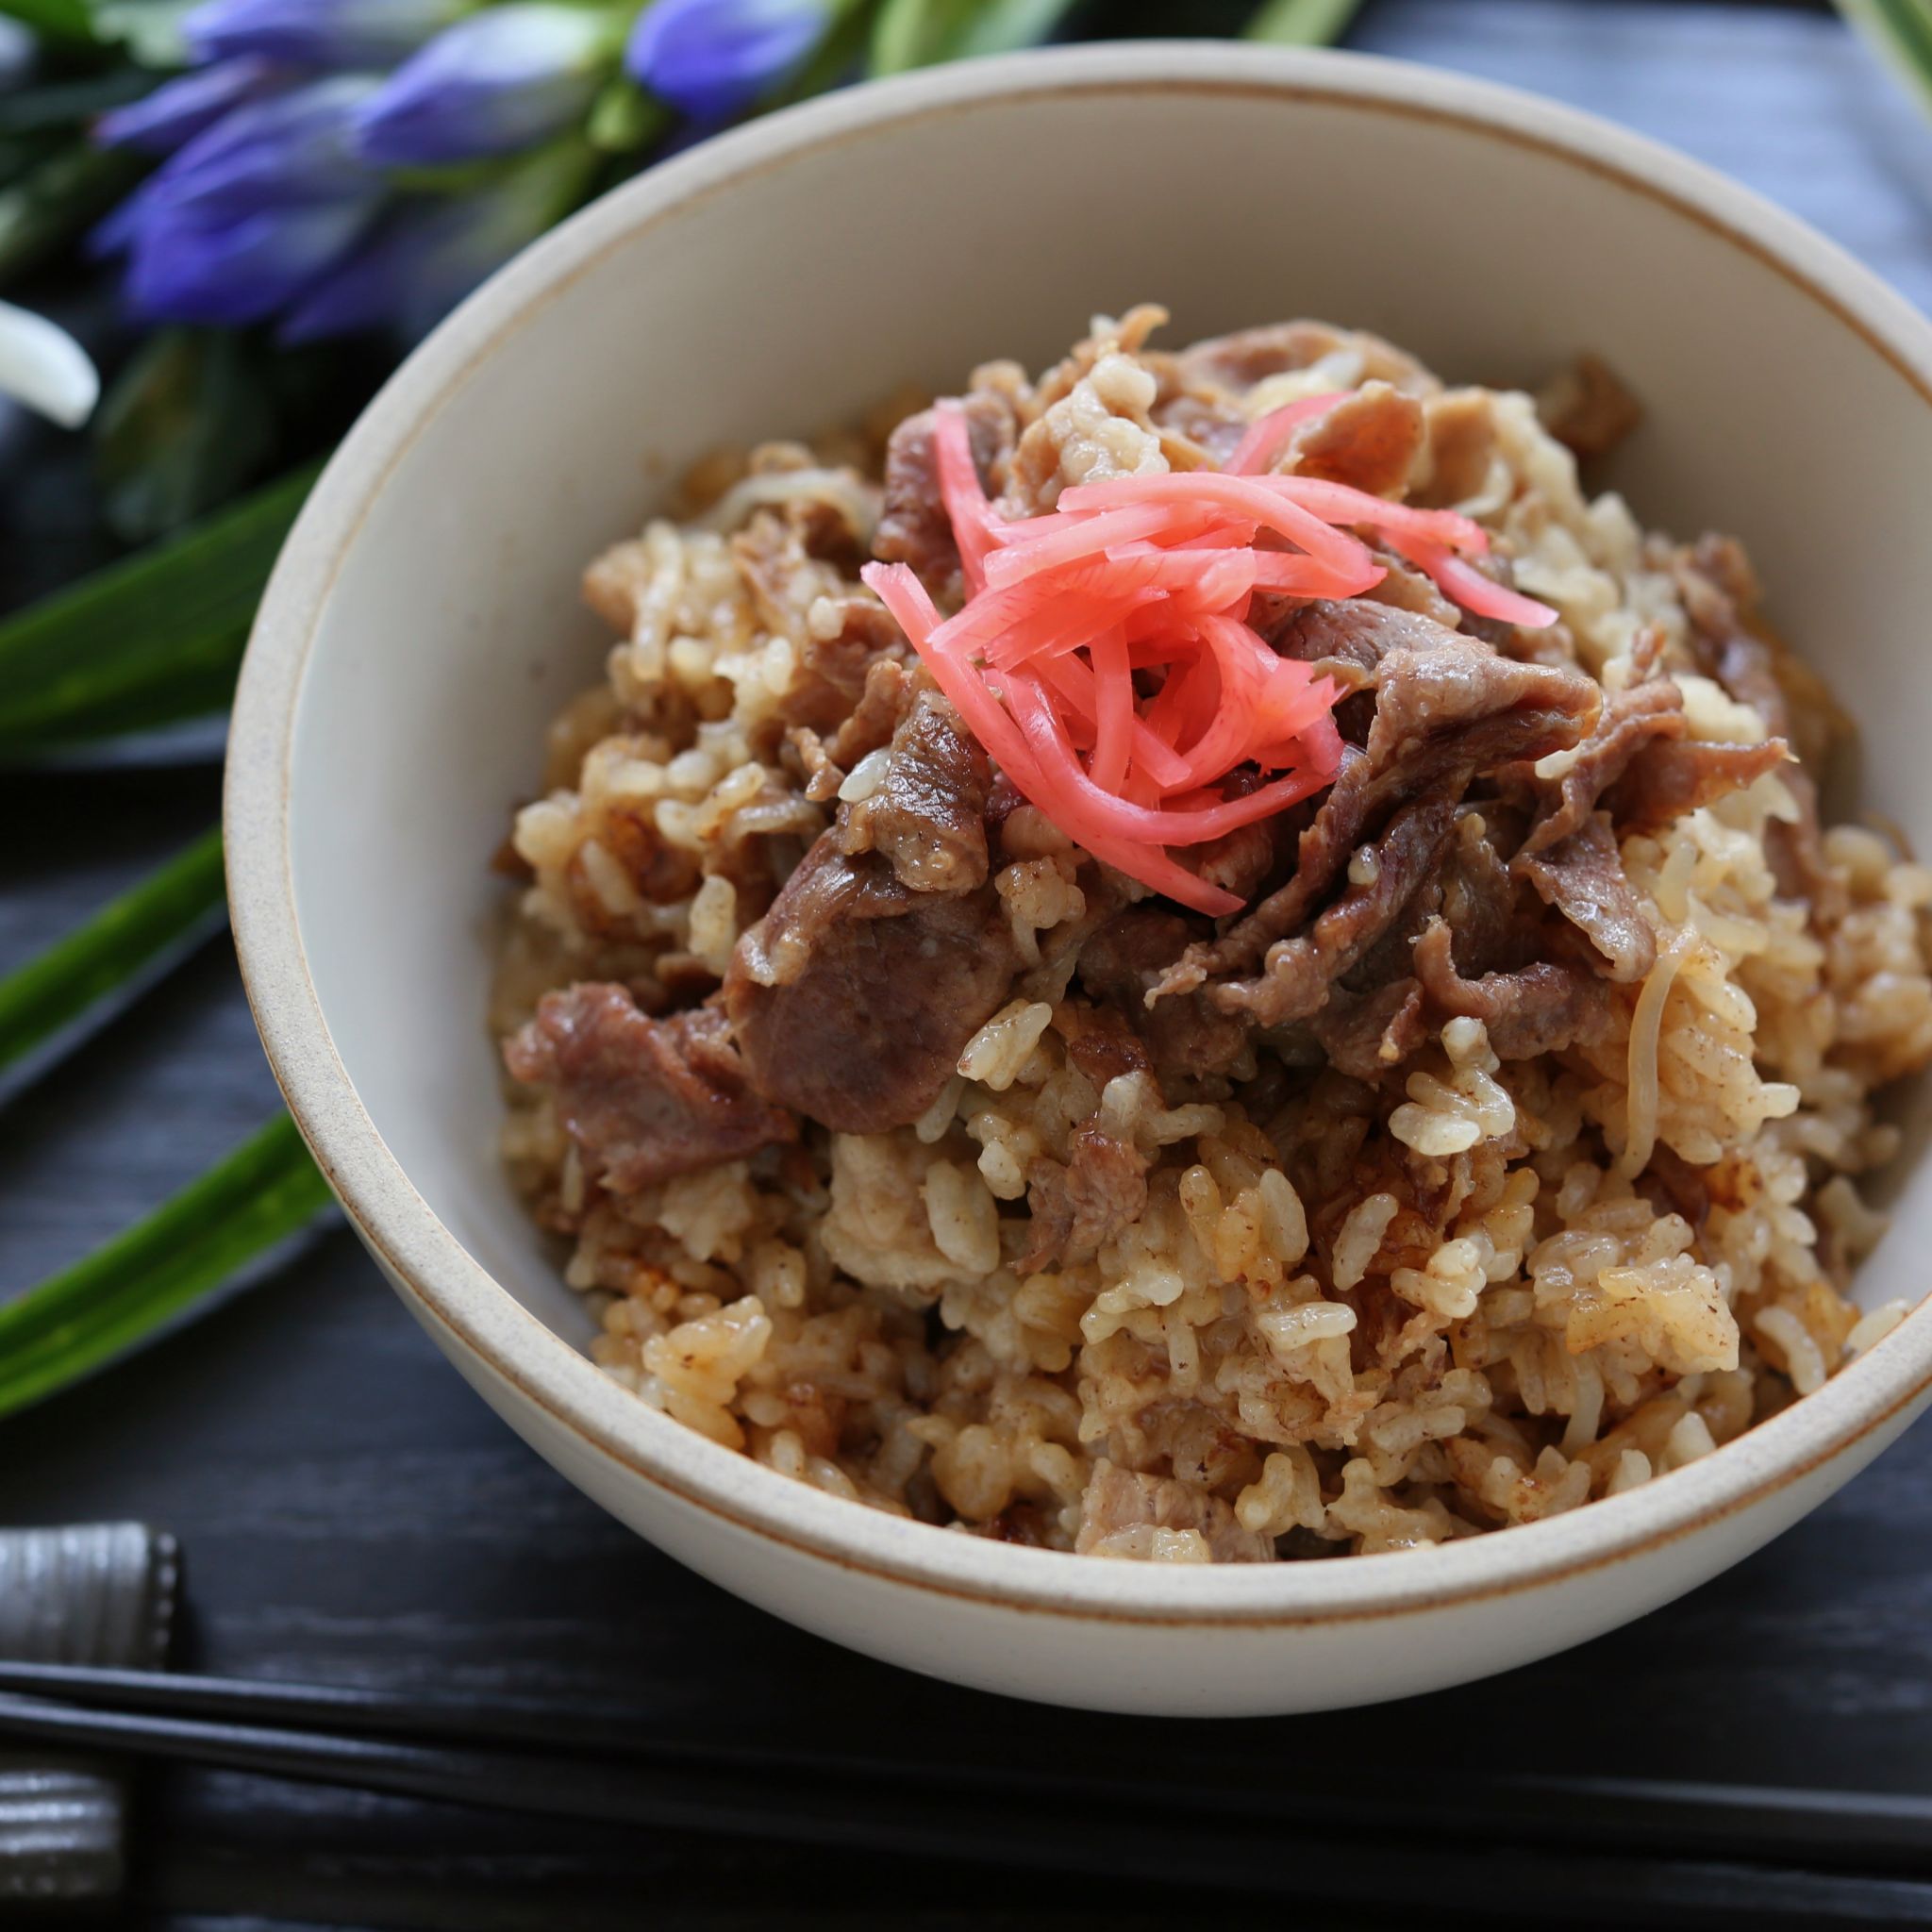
x=1369, y=440
x=914, y=527
x=1586, y=407
x=837, y=659
x=926, y=816
x=1348, y=640
x=1404, y=587
x=1583, y=878
x=882, y=707
x=854, y=996
x=643, y=1099
x=1541, y=1008
x=1446, y=708
x=1100, y=1043
x=1669, y=777
x=1119, y=1502
x=1718, y=587
x=1645, y=714
x=1235, y=363
x=1075, y=1204
x=1243, y=861
x=1300, y=971
x=1478, y=896
x=1364, y=1036
x=1184, y=1039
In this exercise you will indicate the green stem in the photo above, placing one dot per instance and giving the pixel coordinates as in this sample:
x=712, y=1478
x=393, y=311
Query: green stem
x=1303, y=23
x=49, y=205
x=263, y=1195
x=147, y=642
x=126, y=941
x=64, y=19
x=922, y=33
x=1900, y=30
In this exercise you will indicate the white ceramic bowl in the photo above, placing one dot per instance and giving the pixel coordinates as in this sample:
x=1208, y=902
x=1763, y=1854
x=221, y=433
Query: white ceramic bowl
x=424, y=621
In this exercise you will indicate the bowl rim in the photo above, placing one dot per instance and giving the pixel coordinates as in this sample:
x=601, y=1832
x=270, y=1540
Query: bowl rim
x=476, y=1319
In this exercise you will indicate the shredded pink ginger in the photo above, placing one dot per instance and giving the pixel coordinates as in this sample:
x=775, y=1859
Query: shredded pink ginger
x=1141, y=585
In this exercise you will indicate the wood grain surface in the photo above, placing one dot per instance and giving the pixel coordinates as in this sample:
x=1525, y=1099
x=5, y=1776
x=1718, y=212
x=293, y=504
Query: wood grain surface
x=350, y=1513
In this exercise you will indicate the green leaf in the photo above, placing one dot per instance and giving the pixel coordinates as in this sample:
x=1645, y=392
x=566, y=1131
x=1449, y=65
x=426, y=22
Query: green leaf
x=1001, y=25
x=1900, y=30
x=150, y=30
x=838, y=52
x=125, y=945
x=624, y=119
x=66, y=18
x=147, y=642
x=921, y=33
x=53, y=202
x=1303, y=23
x=64, y=103
x=259, y=1196
x=188, y=422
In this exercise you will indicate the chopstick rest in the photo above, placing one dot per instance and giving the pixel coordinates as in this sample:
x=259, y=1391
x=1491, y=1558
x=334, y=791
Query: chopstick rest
x=88, y=1594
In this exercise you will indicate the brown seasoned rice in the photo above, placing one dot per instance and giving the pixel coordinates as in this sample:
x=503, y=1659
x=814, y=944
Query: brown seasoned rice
x=1350, y=1316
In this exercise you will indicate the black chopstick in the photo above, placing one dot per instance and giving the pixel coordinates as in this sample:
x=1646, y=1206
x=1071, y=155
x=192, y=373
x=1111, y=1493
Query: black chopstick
x=1222, y=1848
x=559, y=1760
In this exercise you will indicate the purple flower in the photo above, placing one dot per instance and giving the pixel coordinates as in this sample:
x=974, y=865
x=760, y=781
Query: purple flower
x=714, y=58
x=433, y=250
x=496, y=81
x=189, y=264
x=297, y=148
x=179, y=109
x=317, y=33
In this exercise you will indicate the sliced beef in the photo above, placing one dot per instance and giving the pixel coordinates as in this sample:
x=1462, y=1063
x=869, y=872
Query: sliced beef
x=927, y=815
x=1242, y=860
x=1642, y=715
x=1301, y=970
x=1478, y=900
x=1185, y=1037
x=1122, y=1500
x=1446, y=708
x=1100, y=1043
x=855, y=995
x=836, y=664
x=1669, y=777
x=1369, y=440
x=914, y=527
x=1404, y=587
x=644, y=1099
x=1348, y=640
x=1582, y=877
x=1587, y=409
x=1719, y=591
x=882, y=707
x=888, y=947
x=1364, y=1035
x=1235, y=363
x=1541, y=1008
x=1077, y=1204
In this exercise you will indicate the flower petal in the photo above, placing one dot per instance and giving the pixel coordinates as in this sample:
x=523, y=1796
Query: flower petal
x=43, y=366
x=179, y=109
x=712, y=58
x=317, y=33
x=496, y=81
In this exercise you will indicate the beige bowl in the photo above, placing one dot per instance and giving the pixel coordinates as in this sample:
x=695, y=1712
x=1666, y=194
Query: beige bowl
x=424, y=621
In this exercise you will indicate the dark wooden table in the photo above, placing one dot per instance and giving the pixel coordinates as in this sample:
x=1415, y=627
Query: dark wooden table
x=350, y=1513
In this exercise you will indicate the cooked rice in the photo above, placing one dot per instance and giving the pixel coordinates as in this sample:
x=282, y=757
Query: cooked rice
x=1350, y=1316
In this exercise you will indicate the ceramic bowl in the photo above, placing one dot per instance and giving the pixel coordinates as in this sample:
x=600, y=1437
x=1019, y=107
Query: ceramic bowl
x=424, y=621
